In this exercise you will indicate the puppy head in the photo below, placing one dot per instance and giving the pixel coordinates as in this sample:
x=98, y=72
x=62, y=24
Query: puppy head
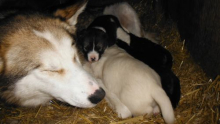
x=92, y=42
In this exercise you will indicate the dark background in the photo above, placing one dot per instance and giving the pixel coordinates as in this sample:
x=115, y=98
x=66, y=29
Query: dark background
x=199, y=24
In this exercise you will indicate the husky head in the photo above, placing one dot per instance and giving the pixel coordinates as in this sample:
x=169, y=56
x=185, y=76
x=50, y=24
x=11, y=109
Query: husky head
x=39, y=60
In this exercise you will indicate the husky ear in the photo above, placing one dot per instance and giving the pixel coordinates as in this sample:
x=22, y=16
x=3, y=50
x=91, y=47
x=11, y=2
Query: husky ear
x=71, y=13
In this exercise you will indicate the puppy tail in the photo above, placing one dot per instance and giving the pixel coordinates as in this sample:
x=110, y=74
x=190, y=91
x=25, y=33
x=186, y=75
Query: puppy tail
x=127, y=17
x=163, y=101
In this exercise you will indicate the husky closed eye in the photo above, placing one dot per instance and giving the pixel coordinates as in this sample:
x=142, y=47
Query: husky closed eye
x=55, y=71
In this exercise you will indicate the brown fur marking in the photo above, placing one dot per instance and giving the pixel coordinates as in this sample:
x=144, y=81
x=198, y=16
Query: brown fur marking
x=68, y=12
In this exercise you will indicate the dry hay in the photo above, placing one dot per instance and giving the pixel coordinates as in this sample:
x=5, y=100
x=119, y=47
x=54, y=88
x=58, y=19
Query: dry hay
x=199, y=102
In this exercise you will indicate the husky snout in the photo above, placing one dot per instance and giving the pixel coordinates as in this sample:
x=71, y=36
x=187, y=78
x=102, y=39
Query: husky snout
x=89, y=93
x=97, y=96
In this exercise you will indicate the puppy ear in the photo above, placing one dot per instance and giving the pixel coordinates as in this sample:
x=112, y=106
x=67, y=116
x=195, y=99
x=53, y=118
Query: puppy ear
x=71, y=13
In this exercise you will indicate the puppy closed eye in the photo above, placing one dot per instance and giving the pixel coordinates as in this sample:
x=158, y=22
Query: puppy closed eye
x=86, y=46
x=99, y=49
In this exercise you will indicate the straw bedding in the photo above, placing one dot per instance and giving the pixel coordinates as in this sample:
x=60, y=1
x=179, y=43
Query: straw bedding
x=199, y=104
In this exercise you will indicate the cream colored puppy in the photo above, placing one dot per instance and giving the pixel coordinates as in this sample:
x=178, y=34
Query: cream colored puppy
x=132, y=87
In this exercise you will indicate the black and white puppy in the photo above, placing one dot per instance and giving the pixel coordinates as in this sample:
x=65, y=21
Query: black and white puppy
x=96, y=38
x=137, y=38
x=92, y=42
x=115, y=34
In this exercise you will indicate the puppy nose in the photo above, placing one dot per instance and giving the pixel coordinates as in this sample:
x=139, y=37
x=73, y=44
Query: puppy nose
x=93, y=59
x=97, y=96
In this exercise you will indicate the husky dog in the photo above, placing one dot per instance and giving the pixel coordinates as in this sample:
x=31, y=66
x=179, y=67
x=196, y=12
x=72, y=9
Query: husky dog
x=39, y=60
x=132, y=87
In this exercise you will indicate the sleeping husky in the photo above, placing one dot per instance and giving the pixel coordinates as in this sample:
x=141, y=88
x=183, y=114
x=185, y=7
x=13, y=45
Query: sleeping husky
x=39, y=60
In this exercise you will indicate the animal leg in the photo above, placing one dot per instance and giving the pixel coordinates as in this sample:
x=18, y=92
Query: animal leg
x=156, y=110
x=115, y=103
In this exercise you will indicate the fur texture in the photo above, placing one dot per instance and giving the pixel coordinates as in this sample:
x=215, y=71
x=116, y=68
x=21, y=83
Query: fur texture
x=90, y=42
x=152, y=54
x=132, y=87
x=132, y=23
x=39, y=60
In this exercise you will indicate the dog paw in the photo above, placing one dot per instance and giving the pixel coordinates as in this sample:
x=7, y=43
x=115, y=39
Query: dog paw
x=123, y=112
x=156, y=110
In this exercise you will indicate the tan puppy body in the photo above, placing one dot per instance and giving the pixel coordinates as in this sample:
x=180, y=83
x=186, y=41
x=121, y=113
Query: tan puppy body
x=132, y=88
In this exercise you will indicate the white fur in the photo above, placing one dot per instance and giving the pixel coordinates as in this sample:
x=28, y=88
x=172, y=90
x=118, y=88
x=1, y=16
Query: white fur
x=132, y=87
x=100, y=28
x=122, y=35
x=72, y=85
x=129, y=20
x=93, y=54
x=127, y=17
x=43, y=62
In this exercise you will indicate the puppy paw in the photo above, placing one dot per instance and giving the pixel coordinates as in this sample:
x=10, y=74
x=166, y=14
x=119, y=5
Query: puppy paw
x=123, y=111
x=156, y=110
